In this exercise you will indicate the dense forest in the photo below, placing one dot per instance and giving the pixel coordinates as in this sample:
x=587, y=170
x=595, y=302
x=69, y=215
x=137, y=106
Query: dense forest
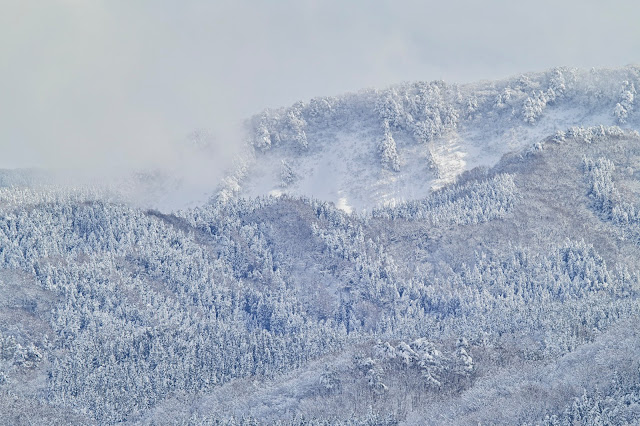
x=508, y=294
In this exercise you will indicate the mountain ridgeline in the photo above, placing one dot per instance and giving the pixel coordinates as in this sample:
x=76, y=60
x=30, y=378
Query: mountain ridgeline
x=504, y=294
x=382, y=147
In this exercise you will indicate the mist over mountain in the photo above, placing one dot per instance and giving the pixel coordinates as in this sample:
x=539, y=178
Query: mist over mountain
x=429, y=253
x=379, y=147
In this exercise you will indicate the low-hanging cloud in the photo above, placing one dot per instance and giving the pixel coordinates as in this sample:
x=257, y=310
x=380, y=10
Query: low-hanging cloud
x=112, y=85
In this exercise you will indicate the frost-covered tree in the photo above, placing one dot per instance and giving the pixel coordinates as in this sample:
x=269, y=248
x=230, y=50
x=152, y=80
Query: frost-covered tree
x=625, y=105
x=387, y=150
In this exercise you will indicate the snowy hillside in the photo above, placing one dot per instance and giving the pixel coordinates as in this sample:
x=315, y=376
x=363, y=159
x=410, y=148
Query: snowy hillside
x=502, y=294
x=381, y=147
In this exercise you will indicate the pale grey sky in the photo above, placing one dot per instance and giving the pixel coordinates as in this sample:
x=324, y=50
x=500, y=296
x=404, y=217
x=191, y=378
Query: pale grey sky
x=118, y=82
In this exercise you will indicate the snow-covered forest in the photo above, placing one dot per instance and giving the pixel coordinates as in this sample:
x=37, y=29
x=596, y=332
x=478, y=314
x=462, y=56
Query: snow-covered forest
x=387, y=146
x=471, y=256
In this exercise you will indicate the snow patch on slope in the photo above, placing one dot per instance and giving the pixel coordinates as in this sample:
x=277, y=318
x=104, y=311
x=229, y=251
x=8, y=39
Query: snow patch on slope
x=333, y=149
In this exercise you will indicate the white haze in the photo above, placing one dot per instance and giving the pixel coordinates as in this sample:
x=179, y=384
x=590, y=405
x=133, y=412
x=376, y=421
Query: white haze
x=103, y=86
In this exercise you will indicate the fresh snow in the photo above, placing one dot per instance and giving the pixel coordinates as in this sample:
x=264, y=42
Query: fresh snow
x=342, y=162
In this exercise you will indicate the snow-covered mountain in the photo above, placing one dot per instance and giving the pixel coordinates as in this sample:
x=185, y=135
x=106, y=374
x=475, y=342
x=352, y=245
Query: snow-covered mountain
x=382, y=147
x=501, y=294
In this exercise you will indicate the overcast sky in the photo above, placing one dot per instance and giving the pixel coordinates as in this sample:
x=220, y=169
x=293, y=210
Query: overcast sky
x=117, y=82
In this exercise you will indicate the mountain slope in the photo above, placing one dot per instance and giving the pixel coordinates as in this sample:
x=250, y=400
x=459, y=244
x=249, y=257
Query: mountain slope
x=380, y=147
x=514, y=286
x=539, y=293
